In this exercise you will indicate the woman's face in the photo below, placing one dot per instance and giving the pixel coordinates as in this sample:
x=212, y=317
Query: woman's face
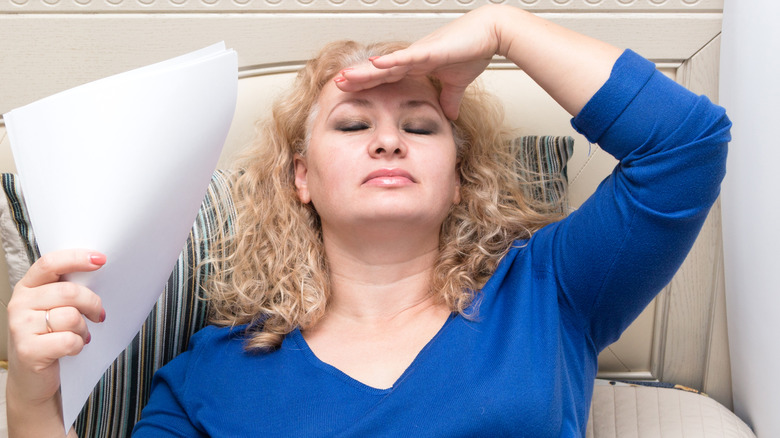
x=380, y=156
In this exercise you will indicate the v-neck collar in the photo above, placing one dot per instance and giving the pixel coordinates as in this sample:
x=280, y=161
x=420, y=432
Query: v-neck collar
x=297, y=337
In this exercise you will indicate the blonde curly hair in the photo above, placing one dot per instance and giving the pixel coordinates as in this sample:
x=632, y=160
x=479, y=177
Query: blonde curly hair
x=273, y=271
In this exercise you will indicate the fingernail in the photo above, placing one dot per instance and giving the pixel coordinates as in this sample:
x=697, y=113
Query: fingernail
x=89, y=338
x=339, y=79
x=102, y=315
x=372, y=58
x=346, y=70
x=97, y=259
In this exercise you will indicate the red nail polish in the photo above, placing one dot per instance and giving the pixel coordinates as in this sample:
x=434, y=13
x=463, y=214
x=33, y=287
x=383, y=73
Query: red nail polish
x=346, y=70
x=102, y=315
x=372, y=58
x=89, y=338
x=339, y=79
x=97, y=259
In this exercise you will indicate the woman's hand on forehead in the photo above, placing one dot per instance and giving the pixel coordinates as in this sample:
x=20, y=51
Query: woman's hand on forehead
x=454, y=54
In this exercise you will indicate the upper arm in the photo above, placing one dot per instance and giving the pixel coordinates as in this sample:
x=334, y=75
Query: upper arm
x=627, y=240
x=166, y=413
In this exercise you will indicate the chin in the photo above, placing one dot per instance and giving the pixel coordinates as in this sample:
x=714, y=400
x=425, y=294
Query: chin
x=406, y=219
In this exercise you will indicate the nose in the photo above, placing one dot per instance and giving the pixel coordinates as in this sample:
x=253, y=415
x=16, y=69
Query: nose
x=387, y=142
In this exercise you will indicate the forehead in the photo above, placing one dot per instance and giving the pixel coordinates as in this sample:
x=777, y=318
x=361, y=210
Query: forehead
x=417, y=89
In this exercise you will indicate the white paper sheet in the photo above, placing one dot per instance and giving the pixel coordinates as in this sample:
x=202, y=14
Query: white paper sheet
x=121, y=165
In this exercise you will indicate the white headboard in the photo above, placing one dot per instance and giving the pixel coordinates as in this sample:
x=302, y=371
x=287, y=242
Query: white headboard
x=52, y=45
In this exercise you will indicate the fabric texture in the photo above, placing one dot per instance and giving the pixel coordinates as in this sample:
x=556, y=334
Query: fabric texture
x=116, y=402
x=18, y=239
x=542, y=163
x=525, y=366
x=629, y=411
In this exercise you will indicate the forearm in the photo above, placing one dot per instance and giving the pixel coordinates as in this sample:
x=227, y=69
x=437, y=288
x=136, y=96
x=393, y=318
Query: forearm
x=31, y=419
x=569, y=66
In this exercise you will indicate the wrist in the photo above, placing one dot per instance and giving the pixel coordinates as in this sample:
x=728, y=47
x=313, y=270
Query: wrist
x=508, y=22
x=33, y=418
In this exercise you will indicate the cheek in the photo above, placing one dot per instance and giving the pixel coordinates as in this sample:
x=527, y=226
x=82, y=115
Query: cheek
x=445, y=176
x=327, y=178
x=446, y=164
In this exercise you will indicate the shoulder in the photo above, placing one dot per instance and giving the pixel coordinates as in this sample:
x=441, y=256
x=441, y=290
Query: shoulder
x=196, y=388
x=526, y=265
x=209, y=344
x=211, y=337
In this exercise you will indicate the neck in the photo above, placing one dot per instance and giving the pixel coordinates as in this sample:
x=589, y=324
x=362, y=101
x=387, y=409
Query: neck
x=380, y=277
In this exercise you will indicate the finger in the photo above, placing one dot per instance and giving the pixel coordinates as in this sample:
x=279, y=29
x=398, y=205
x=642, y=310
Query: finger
x=66, y=294
x=364, y=77
x=450, y=99
x=414, y=55
x=63, y=319
x=41, y=351
x=50, y=267
x=69, y=344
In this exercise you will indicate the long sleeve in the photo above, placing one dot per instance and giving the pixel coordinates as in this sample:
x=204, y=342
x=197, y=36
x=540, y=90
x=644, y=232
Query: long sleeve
x=626, y=242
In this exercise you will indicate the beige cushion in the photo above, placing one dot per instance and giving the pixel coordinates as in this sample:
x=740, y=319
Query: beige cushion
x=647, y=412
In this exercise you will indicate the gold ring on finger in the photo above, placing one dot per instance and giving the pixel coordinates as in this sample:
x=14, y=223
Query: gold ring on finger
x=48, y=324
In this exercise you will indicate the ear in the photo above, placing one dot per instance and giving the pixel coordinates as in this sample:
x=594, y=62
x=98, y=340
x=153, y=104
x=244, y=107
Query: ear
x=301, y=182
x=456, y=197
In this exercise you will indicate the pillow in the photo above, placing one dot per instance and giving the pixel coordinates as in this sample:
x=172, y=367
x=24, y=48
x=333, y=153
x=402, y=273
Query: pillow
x=116, y=402
x=542, y=162
x=18, y=241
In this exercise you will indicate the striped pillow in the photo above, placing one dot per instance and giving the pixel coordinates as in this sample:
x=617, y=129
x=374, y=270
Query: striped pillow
x=542, y=162
x=117, y=400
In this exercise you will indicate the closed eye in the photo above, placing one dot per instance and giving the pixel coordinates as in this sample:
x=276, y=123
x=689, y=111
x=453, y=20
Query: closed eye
x=420, y=130
x=352, y=126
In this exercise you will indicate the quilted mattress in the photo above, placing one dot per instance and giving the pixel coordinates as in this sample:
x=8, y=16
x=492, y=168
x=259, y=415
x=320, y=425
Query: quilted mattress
x=623, y=411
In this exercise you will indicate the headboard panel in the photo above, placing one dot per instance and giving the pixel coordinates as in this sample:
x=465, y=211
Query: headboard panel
x=52, y=45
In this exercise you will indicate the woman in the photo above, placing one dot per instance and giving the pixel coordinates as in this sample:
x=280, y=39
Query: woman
x=433, y=301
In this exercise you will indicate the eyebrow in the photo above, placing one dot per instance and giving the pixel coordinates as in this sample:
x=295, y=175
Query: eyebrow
x=365, y=103
x=418, y=103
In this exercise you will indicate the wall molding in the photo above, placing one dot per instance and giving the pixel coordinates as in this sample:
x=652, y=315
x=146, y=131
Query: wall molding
x=156, y=6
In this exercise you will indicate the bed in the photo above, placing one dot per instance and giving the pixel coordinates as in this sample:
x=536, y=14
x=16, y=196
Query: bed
x=680, y=339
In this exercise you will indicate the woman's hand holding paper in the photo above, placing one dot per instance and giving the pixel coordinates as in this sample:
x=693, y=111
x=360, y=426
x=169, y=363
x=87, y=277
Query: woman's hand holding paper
x=46, y=322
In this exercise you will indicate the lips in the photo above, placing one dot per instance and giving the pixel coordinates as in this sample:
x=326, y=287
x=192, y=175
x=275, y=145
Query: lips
x=389, y=177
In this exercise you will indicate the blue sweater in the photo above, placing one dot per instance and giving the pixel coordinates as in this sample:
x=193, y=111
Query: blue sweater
x=525, y=366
